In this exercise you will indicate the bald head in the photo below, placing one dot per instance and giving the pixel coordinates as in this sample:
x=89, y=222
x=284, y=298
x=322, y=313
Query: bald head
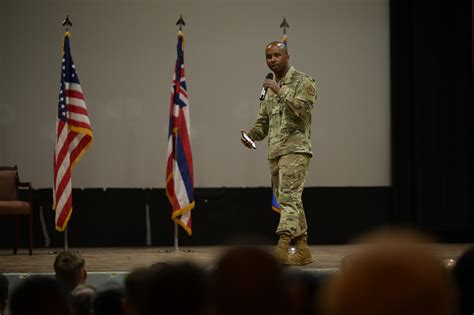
x=276, y=55
x=278, y=44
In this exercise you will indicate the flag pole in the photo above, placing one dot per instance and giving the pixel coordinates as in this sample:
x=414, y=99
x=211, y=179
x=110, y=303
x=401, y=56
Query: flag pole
x=284, y=25
x=66, y=23
x=65, y=240
x=180, y=24
x=176, y=240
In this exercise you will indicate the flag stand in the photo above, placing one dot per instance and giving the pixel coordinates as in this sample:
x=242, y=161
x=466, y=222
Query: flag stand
x=176, y=241
x=65, y=246
x=65, y=240
x=176, y=248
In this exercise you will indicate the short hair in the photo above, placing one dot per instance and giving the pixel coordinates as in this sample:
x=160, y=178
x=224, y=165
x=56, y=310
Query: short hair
x=68, y=267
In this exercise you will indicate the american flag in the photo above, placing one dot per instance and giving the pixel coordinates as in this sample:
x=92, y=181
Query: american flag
x=73, y=136
x=179, y=168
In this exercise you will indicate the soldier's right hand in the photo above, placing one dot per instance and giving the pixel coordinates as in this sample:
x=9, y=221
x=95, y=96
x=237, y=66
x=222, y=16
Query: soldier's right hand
x=245, y=142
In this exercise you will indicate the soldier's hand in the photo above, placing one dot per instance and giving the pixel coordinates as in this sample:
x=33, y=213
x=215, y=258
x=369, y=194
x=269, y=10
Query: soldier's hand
x=269, y=83
x=245, y=142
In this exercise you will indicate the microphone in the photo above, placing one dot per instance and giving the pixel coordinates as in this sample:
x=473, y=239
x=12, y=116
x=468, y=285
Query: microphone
x=264, y=90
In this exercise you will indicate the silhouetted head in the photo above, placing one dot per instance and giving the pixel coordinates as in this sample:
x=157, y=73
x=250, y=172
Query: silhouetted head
x=250, y=281
x=181, y=288
x=464, y=278
x=39, y=295
x=391, y=274
x=3, y=293
x=108, y=299
x=137, y=284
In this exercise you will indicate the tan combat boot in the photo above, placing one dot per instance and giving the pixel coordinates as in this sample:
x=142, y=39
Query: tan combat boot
x=302, y=255
x=281, y=250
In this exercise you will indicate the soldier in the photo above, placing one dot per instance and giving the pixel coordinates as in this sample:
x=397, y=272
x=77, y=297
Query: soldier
x=285, y=116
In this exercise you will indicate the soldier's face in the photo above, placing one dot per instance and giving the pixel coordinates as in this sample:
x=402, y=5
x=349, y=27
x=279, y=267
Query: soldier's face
x=277, y=58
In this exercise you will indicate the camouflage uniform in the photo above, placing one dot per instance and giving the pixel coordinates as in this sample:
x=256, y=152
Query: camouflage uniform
x=286, y=119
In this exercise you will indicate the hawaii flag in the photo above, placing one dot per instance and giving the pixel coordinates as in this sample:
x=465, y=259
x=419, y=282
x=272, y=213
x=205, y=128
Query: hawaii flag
x=73, y=136
x=179, y=168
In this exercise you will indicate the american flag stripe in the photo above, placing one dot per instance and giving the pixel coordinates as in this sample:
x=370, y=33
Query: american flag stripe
x=179, y=169
x=64, y=192
x=73, y=136
x=77, y=152
x=78, y=120
x=77, y=110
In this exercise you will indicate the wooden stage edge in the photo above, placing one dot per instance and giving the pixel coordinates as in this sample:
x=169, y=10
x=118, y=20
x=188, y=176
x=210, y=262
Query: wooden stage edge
x=125, y=259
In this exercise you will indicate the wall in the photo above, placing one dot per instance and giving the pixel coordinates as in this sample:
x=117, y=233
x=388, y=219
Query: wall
x=125, y=52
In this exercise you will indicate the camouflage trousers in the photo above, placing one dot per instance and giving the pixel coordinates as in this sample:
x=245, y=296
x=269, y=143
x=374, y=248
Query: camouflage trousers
x=288, y=177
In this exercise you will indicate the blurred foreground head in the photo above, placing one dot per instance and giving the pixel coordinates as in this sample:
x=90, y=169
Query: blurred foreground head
x=3, y=293
x=39, y=295
x=393, y=273
x=179, y=288
x=464, y=277
x=250, y=281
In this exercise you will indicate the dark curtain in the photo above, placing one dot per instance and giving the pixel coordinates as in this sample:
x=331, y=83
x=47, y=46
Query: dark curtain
x=432, y=116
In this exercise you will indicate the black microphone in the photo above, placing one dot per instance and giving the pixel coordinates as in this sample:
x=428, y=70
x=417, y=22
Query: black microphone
x=264, y=90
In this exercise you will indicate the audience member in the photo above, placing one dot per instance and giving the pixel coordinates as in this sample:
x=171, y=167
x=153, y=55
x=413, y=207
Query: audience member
x=304, y=291
x=136, y=287
x=393, y=274
x=3, y=293
x=108, y=299
x=39, y=295
x=181, y=288
x=464, y=278
x=70, y=269
x=159, y=265
x=82, y=297
x=250, y=281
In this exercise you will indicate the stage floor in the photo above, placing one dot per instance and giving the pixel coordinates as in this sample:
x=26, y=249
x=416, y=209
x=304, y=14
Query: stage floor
x=125, y=259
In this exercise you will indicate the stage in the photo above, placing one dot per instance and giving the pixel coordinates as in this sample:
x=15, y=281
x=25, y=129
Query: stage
x=125, y=259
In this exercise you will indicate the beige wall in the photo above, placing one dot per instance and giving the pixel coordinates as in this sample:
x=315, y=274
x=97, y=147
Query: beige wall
x=125, y=52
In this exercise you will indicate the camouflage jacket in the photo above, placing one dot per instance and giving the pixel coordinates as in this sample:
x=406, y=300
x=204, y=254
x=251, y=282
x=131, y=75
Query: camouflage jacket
x=286, y=117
